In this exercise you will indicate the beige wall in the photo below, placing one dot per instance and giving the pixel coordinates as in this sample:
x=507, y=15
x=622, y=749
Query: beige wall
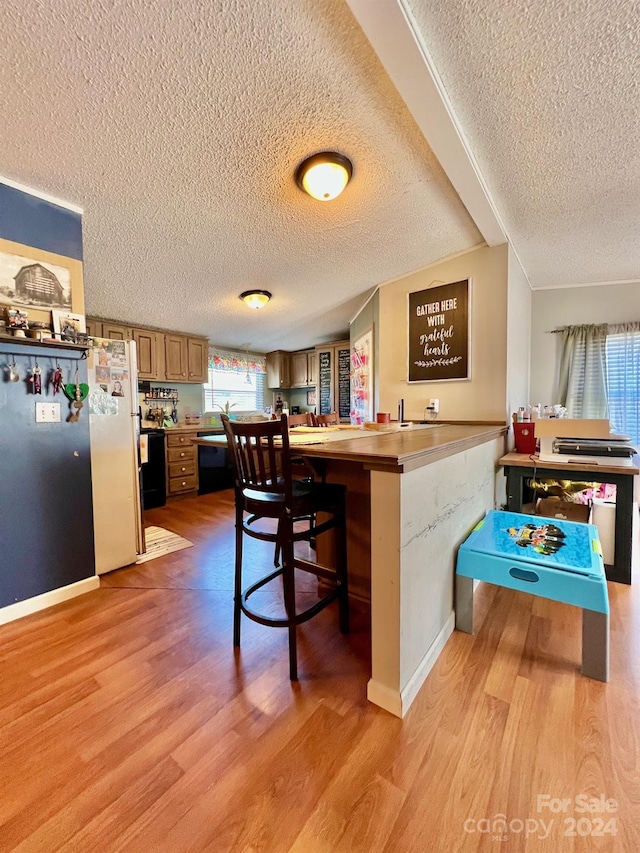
x=607, y=303
x=483, y=397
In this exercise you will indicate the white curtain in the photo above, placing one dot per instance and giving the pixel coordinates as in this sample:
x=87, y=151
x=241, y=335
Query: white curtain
x=623, y=379
x=582, y=381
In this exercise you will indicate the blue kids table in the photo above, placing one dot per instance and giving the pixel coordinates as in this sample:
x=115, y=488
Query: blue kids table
x=560, y=560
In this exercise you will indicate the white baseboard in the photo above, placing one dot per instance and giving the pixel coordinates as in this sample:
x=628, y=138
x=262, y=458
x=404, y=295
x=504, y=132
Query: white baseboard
x=385, y=697
x=47, y=599
x=413, y=685
x=399, y=702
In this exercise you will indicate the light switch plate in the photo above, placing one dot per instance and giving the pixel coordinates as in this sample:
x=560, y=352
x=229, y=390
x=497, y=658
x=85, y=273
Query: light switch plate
x=47, y=413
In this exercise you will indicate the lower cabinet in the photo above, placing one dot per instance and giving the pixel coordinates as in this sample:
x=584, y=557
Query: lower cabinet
x=182, y=465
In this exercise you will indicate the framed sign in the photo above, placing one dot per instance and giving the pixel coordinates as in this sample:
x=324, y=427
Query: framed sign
x=439, y=333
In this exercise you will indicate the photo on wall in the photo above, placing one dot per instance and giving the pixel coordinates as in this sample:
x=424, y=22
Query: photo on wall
x=67, y=326
x=27, y=281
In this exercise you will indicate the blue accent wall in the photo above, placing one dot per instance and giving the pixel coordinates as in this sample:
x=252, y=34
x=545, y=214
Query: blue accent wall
x=32, y=221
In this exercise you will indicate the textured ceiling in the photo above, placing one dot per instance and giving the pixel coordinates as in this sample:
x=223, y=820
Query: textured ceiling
x=548, y=97
x=178, y=128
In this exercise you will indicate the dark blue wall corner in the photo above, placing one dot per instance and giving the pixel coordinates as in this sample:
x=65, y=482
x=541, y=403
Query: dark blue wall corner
x=32, y=221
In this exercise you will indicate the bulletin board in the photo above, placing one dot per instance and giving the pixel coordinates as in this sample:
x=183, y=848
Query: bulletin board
x=362, y=378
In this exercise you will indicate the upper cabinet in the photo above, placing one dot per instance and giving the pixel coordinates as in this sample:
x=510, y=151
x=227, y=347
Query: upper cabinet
x=116, y=331
x=161, y=355
x=150, y=350
x=302, y=369
x=291, y=369
x=198, y=359
x=176, y=355
x=278, y=369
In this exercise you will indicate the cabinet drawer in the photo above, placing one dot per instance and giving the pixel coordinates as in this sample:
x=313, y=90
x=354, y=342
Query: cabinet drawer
x=178, y=440
x=188, y=483
x=182, y=468
x=181, y=454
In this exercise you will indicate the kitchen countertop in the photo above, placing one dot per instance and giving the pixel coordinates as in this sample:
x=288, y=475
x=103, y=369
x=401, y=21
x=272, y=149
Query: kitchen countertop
x=397, y=451
x=184, y=428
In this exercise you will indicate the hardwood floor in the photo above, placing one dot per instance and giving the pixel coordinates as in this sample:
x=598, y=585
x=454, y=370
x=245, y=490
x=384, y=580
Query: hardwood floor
x=128, y=724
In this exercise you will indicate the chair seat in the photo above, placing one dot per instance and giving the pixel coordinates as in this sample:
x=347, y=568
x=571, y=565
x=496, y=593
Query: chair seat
x=308, y=498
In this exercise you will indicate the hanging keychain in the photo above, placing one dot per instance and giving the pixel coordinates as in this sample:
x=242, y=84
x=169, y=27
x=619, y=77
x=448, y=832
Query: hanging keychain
x=76, y=392
x=57, y=380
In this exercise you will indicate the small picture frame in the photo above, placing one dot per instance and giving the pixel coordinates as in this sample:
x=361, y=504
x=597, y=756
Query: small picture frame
x=311, y=398
x=17, y=319
x=69, y=327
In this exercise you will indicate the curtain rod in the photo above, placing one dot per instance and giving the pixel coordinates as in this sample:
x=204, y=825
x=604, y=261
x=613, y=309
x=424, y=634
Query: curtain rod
x=561, y=329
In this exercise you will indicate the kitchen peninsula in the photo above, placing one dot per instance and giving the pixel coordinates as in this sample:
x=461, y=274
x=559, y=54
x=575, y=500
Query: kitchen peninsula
x=412, y=497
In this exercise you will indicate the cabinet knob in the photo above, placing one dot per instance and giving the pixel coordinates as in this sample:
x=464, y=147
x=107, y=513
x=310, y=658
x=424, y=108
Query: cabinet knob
x=182, y=454
x=184, y=482
x=181, y=438
x=183, y=468
x=183, y=373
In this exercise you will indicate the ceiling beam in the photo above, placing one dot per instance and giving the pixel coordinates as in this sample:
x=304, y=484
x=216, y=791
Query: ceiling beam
x=394, y=36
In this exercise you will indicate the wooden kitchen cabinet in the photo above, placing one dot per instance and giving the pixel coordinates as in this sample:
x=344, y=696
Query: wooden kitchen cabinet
x=182, y=465
x=302, y=373
x=278, y=369
x=176, y=358
x=94, y=328
x=161, y=355
x=312, y=368
x=116, y=331
x=333, y=389
x=150, y=350
x=198, y=359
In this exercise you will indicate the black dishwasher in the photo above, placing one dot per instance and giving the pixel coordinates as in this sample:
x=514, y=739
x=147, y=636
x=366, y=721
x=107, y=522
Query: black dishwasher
x=214, y=468
x=154, y=482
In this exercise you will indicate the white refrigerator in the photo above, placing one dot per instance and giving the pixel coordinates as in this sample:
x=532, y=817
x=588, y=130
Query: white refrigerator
x=114, y=426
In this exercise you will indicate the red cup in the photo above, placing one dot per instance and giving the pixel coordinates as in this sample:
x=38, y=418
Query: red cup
x=383, y=417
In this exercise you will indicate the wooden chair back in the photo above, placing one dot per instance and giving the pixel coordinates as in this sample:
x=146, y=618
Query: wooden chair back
x=301, y=420
x=260, y=456
x=331, y=419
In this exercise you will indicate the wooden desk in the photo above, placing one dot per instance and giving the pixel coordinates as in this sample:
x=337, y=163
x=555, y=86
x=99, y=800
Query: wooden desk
x=412, y=498
x=520, y=466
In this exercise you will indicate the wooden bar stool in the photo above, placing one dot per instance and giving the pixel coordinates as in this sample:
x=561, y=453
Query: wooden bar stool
x=265, y=489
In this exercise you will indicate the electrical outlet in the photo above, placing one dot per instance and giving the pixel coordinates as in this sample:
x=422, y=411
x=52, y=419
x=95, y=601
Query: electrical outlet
x=47, y=413
x=434, y=406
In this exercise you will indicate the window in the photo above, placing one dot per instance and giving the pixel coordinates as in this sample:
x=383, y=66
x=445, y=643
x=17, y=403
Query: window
x=236, y=379
x=623, y=379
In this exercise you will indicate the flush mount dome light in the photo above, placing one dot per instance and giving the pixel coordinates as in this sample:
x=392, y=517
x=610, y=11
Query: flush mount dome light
x=324, y=175
x=255, y=298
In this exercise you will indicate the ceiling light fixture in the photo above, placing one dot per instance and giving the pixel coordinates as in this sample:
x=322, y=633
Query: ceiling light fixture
x=255, y=298
x=324, y=175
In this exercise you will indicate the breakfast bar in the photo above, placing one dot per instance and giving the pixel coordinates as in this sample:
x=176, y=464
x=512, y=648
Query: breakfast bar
x=412, y=498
